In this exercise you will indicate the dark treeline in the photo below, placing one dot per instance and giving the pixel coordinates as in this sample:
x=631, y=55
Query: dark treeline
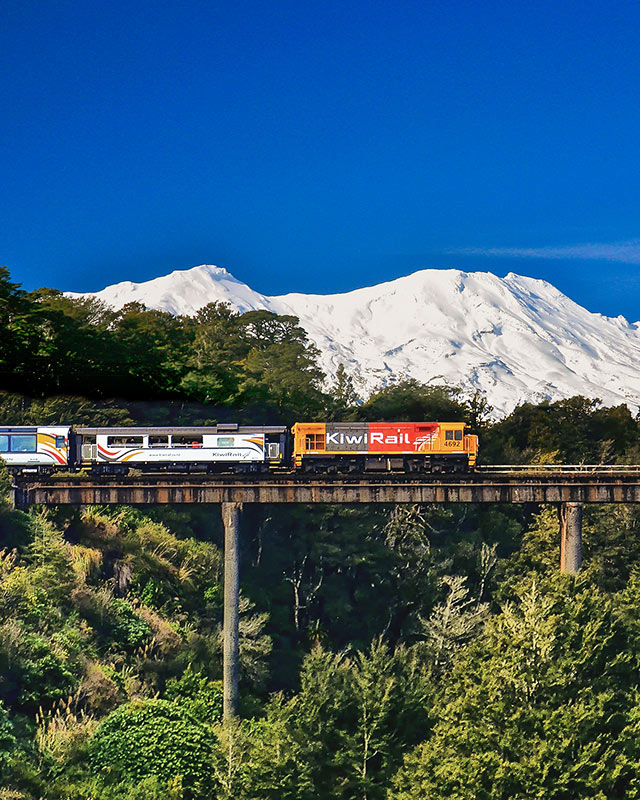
x=402, y=653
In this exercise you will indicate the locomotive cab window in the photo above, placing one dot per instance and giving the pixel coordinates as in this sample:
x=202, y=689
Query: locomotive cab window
x=4, y=443
x=448, y=435
x=458, y=436
x=314, y=441
x=24, y=444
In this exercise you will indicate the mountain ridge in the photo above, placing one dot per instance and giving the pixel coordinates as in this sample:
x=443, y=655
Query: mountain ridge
x=512, y=339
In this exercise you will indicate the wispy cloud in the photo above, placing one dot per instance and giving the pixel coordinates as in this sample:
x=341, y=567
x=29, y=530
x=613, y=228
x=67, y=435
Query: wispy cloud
x=625, y=252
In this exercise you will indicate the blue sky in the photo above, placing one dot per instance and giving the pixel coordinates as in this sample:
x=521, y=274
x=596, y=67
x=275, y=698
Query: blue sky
x=322, y=146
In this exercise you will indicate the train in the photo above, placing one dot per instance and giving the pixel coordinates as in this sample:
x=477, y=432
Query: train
x=311, y=447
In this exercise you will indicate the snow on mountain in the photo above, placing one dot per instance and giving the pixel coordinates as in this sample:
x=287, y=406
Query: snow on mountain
x=183, y=291
x=512, y=339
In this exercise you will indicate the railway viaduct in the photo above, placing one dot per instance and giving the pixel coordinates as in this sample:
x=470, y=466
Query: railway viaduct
x=568, y=487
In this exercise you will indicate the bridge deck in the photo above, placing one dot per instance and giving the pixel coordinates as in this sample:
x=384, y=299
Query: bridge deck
x=500, y=485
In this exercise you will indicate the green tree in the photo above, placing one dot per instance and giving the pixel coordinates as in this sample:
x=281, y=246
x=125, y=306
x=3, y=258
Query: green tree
x=218, y=349
x=344, y=397
x=574, y=430
x=152, y=346
x=20, y=334
x=454, y=622
x=374, y=686
x=318, y=724
x=541, y=706
x=411, y=401
x=340, y=736
x=281, y=366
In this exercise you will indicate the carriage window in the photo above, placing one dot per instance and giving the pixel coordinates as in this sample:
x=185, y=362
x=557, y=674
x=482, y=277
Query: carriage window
x=124, y=441
x=186, y=441
x=448, y=435
x=4, y=443
x=24, y=444
x=225, y=441
x=158, y=441
x=458, y=436
x=60, y=441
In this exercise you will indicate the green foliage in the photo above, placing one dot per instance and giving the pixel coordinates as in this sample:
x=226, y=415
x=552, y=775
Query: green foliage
x=150, y=788
x=341, y=735
x=199, y=696
x=538, y=707
x=59, y=410
x=453, y=622
x=344, y=397
x=150, y=561
x=7, y=741
x=400, y=598
x=127, y=628
x=410, y=401
x=573, y=431
x=41, y=648
x=611, y=545
x=5, y=485
x=280, y=366
x=154, y=738
x=41, y=672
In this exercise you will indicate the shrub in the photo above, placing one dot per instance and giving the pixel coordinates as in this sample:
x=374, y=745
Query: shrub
x=154, y=738
x=199, y=696
x=7, y=740
x=128, y=630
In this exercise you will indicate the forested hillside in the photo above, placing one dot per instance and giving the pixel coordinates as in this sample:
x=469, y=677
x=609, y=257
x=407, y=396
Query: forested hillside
x=402, y=653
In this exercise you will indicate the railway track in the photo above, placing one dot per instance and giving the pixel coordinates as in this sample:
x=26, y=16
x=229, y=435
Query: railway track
x=501, y=473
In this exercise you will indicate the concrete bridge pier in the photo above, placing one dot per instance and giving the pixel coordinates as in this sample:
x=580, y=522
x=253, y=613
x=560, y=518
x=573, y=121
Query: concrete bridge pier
x=570, y=537
x=231, y=522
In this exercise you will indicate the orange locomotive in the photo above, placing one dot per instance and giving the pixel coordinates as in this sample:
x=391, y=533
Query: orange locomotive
x=383, y=447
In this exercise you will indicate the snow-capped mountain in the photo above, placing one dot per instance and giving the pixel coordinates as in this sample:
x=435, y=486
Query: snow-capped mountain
x=513, y=339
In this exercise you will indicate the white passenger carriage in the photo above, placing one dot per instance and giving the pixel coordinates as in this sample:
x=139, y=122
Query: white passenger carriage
x=218, y=448
x=42, y=448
